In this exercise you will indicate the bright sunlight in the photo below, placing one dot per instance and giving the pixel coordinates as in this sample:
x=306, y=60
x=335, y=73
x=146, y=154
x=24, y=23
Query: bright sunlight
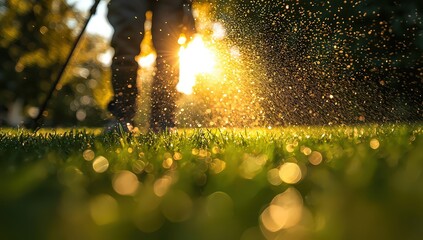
x=194, y=59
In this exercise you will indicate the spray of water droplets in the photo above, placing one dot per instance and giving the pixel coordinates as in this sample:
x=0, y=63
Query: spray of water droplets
x=295, y=62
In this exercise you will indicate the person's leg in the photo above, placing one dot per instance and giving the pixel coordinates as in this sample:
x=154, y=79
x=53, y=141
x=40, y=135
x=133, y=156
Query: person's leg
x=166, y=28
x=127, y=18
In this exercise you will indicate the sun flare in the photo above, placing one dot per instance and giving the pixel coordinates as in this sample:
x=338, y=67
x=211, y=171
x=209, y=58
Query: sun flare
x=194, y=59
x=147, y=61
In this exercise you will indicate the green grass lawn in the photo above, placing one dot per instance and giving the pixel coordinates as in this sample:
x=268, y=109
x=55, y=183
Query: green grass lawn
x=344, y=182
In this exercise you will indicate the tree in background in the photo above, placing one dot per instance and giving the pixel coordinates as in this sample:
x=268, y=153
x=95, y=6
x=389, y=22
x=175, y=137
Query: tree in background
x=36, y=39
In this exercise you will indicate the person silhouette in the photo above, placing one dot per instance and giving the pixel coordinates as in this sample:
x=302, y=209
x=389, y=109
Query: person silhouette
x=127, y=17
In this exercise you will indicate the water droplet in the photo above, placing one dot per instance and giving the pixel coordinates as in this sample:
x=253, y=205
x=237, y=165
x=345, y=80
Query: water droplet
x=100, y=164
x=125, y=183
x=290, y=173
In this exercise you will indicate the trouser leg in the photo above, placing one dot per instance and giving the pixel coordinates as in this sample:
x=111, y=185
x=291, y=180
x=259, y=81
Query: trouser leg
x=124, y=83
x=127, y=18
x=166, y=28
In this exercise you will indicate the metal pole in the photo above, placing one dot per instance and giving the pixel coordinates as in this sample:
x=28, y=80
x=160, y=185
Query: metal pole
x=36, y=123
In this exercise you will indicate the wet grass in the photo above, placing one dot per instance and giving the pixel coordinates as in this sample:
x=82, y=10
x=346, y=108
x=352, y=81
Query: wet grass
x=344, y=182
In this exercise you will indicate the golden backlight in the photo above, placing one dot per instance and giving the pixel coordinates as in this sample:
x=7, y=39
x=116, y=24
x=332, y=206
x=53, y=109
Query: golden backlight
x=194, y=59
